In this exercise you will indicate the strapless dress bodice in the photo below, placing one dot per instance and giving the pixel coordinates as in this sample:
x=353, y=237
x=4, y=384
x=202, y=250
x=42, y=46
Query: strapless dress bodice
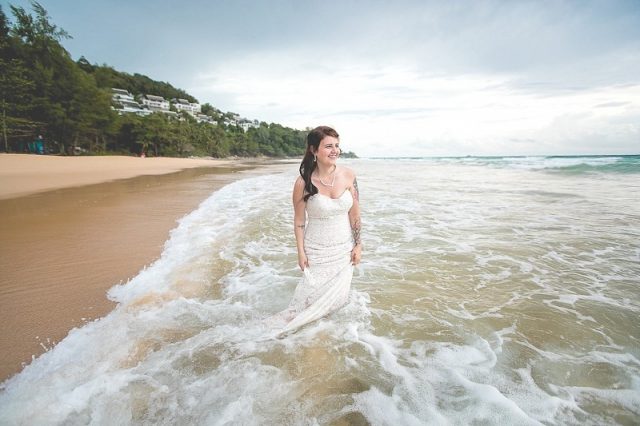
x=321, y=206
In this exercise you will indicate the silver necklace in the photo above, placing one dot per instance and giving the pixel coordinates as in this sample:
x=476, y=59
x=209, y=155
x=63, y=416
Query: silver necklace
x=332, y=180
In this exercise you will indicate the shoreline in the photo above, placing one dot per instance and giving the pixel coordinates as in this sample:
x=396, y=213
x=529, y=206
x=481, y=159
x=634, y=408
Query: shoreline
x=26, y=174
x=64, y=248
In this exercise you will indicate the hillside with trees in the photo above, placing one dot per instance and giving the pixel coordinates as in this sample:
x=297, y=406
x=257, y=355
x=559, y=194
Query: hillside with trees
x=43, y=91
x=106, y=77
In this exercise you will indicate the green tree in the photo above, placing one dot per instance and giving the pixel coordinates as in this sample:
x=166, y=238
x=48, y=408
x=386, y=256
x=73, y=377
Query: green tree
x=155, y=132
x=90, y=112
x=16, y=91
x=217, y=144
x=127, y=131
x=209, y=110
x=37, y=43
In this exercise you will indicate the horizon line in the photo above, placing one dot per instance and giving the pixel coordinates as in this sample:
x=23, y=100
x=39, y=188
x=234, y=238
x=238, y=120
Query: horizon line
x=408, y=157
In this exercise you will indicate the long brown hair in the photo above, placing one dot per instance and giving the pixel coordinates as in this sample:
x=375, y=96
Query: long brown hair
x=308, y=164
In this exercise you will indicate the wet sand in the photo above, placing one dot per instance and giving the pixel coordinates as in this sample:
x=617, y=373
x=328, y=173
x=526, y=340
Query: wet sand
x=63, y=249
x=22, y=174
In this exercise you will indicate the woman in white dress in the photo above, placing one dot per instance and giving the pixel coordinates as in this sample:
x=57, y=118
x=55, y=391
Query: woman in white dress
x=327, y=230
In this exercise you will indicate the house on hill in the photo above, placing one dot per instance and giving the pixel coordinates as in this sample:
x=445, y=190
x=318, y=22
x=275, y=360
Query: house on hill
x=184, y=105
x=203, y=118
x=247, y=124
x=121, y=94
x=124, y=103
x=155, y=103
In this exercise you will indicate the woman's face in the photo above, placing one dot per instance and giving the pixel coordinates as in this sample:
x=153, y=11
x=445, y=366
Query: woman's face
x=328, y=151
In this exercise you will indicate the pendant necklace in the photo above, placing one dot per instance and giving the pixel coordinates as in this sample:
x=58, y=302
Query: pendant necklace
x=330, y=185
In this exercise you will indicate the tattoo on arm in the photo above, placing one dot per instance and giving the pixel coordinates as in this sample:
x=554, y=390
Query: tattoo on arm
x=356, y=191
x=300, y=226
x=356, y=226
x=355, y=229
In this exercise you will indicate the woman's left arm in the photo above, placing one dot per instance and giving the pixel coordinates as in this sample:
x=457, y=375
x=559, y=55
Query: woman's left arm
x=354, y=219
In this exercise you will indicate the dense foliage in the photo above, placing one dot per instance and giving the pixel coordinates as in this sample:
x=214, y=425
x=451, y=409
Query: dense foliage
x=44, y=92
x=106, y=77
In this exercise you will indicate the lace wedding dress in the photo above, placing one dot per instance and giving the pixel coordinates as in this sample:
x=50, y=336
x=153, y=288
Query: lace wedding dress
x=326, y=281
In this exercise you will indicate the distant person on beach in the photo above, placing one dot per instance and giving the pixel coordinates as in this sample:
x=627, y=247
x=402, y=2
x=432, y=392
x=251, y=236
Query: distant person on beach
x=327, y=230
x=39, y=145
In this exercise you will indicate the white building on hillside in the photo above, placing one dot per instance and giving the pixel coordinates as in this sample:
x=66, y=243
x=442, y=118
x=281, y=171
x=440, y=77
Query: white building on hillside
x=128, y=107
x=185, y=105
x=244, y=123
x=248, y=124
x=126, y=103
x=203, y=118
x=121, y=94
x=155, y=103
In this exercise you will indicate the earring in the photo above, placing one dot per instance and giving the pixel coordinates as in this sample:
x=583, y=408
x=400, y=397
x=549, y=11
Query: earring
x=315, y=158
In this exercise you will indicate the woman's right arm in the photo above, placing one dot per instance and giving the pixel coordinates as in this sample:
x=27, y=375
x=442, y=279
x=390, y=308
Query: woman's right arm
x=299, y=221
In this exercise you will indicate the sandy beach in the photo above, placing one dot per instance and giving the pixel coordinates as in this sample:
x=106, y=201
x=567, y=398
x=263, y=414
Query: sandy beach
x=72, y=227
x=22, y=174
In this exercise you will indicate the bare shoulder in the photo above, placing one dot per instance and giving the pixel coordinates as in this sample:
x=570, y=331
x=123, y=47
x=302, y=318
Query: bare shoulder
x=298, y=189
x=348, y=173
x=351, y=182
x=299, y=183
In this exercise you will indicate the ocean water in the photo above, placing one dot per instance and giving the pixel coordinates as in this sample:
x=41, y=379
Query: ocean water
x=492, y=291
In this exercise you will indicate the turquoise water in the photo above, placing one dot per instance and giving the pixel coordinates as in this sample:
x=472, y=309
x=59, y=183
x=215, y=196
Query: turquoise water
x=492, y=291
x=555, y=163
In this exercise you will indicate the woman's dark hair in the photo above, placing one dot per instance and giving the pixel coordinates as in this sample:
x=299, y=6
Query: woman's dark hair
x=308, y=164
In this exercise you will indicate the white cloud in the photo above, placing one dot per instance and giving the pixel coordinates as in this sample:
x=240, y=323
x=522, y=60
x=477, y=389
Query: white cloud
x=402, y=111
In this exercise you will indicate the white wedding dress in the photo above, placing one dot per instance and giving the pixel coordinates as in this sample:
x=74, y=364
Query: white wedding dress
x=328, y=243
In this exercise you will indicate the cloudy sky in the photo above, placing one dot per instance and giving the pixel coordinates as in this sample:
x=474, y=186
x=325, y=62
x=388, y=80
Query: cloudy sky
x=401, y=78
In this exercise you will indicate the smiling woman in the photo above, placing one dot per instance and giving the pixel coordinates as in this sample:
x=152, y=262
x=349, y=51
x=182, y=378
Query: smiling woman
x=327, y=230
